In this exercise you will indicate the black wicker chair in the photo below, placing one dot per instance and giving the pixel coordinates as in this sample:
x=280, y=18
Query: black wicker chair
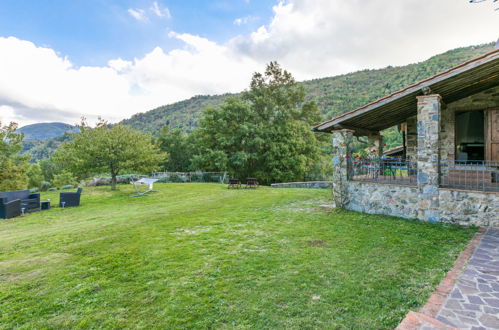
x=68, y=199
x=9, y=209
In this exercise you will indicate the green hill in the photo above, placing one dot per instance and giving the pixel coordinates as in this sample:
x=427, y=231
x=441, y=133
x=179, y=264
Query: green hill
x=334, y=95
x=43, y=131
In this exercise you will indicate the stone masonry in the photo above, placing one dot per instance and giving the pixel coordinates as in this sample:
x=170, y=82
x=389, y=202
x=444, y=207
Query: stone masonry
x=430, y=138
x=474, y=301
x=342, y=172
x=428, y=156
x=396, y=200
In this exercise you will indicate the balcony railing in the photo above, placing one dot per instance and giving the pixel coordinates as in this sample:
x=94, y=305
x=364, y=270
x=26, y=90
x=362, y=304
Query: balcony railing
x=385, y=171
x=470, y=175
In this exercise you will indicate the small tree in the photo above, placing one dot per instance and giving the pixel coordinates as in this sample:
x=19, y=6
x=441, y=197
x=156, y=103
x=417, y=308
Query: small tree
x=35, y=176
x=108, y=149
x=177, y=145
x=64, y=178
x=49, y=169
x=13, y=166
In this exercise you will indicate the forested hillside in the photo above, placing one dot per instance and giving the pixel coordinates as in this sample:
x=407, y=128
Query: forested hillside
x=334, y=95
x=43, y=131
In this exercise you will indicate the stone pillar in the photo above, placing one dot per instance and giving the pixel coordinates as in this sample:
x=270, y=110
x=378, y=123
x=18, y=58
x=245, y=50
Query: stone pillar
x=377, y=141
x=411, y=138
x=342, y=163
x=428, y=156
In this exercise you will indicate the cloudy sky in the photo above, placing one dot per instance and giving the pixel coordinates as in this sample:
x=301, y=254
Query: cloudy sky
x=63, y=59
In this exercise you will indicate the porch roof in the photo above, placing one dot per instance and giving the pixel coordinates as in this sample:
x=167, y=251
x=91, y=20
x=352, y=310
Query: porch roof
x=468, y=78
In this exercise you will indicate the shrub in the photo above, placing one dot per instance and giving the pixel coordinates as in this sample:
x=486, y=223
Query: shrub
x=98, y=182
x=128, y=178
x=63, y=179
x=52, y=189
x=45, y=185
x=33, y=190
x=69, y=186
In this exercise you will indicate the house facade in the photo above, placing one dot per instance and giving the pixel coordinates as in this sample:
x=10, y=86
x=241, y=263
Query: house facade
x=449, y=168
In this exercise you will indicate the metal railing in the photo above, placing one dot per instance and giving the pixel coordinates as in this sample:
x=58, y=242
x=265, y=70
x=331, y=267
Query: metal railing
x=167, y=177
x=470, y=175
x=397, y=171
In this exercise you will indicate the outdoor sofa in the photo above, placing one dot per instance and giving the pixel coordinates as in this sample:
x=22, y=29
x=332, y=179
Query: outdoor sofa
x=12, y=203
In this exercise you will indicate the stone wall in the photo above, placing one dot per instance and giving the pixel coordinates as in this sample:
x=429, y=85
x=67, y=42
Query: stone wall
x=308, y=184
x=456, y=206
x=396, y=200
x=469, y=207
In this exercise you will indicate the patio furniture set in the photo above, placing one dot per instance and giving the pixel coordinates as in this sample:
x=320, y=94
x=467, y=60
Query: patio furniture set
x=19, y=202
x=236, y=183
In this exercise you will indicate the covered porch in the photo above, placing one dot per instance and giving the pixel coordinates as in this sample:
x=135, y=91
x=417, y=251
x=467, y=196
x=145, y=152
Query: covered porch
x=450, y=131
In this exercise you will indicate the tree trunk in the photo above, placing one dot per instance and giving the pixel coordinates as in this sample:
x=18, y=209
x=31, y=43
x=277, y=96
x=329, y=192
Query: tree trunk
x=113, y=181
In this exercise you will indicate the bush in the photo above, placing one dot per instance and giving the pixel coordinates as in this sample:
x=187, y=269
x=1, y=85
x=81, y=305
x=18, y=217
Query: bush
x=33, y=190
x=66, y=187
x=52, y=189
x=63, y=179
x=45, y=185
x=128, y=178
x=98, y=182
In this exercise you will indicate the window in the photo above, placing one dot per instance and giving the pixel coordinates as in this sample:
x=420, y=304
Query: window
x=470, y=136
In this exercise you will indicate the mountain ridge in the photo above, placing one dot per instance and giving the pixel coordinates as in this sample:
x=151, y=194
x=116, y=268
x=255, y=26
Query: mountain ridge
x=44, y=131
x=334, y=95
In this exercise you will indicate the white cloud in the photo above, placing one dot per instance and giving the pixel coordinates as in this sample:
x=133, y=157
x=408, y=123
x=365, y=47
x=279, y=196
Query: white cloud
x=160, y=12
x=138, y=14
x=309, y=38
x=41, y=86
x=244, y=20
x=327, y=37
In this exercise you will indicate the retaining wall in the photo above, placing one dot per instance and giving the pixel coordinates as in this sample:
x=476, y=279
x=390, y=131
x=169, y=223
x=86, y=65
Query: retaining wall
x=309, y=184
x=455, y=206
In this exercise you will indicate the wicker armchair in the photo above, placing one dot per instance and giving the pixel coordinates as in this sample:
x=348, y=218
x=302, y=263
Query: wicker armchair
x=69, y=199
x=9, y=209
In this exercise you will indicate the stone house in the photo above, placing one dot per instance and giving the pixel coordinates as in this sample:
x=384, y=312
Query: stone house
x=449, y=169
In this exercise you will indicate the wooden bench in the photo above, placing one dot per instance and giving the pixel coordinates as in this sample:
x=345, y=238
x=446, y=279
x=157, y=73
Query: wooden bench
x=234, y=183
x=251, y=183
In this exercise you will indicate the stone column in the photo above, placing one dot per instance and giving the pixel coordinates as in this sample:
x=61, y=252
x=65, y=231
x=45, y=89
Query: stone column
x=377, y=141
x=342, y=163
x=428, y=156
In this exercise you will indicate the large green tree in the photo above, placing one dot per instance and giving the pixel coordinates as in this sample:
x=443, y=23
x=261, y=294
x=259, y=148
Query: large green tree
x=105, y=149
x=178, y=146
x=13, y=167
x=263, y=134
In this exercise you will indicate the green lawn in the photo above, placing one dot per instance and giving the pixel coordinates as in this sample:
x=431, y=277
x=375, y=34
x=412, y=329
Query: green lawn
x=203, y=256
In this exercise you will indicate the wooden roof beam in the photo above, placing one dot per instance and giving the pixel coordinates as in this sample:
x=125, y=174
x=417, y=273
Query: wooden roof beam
x=357, y=130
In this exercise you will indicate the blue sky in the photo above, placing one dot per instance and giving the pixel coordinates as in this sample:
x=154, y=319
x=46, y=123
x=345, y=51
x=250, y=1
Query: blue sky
x=90, y=32
x=63, y=59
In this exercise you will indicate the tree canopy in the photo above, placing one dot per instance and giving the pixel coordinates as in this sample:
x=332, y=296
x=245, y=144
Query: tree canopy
x=265, y=133
x=179, y=147
x=105, y=149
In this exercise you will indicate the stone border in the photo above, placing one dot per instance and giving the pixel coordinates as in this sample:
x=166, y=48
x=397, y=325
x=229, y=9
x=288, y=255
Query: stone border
x=429, y=311
x=305, y=184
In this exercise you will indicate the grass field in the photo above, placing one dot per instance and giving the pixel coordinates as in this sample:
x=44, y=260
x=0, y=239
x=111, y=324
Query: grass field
x=203, y=256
